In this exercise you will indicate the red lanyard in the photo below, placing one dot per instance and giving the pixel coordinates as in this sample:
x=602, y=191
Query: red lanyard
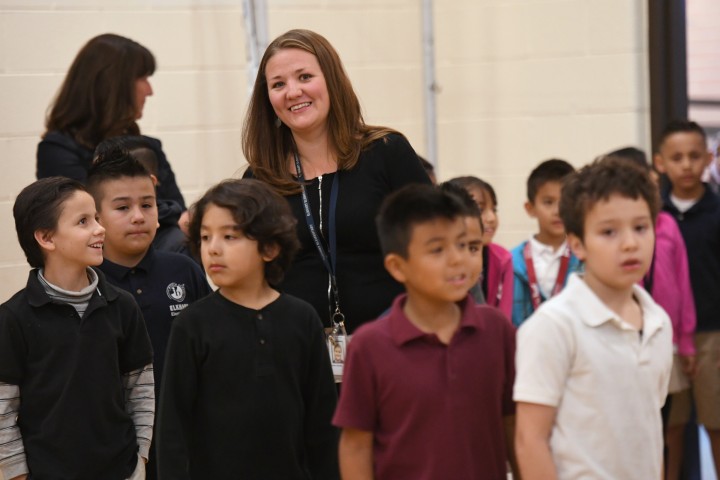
x=532, y=278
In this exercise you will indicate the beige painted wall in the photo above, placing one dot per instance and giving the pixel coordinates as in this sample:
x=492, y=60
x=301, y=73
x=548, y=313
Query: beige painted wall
x=520, y=81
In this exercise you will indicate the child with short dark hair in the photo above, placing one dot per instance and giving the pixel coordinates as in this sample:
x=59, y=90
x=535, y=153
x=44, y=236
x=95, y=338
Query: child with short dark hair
x=682, y=154
x=593, y=362
x=497, y=276
x=427, y=386
x=542, y=264
x=76, y=381
x=169, y=236
x=248, y=391
x=162, y=283
x=474, y=229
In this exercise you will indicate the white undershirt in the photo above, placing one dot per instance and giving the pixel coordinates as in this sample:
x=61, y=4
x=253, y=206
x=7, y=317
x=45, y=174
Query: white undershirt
x=682, y=204
x=546, y=262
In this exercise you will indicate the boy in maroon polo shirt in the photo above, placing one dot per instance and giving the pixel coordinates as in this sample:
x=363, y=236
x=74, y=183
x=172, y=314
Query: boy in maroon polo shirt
x=426, y=387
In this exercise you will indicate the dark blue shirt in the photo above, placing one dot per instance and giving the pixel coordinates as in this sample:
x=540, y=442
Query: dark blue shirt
x=163, y=284
x=700, y=228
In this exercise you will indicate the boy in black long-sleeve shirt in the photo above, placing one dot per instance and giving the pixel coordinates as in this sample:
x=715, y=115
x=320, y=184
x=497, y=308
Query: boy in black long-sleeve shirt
x=248, y=390
x=76, y=382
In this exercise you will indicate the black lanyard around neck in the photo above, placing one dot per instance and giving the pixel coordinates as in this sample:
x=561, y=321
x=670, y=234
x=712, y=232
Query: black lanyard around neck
x=328, y=258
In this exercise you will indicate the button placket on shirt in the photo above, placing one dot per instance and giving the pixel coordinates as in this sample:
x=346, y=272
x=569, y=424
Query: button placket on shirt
x=264, y=360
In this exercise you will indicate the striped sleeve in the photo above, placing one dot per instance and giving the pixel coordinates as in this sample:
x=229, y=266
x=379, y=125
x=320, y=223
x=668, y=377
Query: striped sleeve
x=140, y=404
x=12, y=451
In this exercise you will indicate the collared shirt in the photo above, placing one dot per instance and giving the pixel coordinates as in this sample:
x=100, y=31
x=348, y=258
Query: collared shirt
x=607, y=382
x=163, y=285
x=69, y=368
x=546, y=261
x=435, y=410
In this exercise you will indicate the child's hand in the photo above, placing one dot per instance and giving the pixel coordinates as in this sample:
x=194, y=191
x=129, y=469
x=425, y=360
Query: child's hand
x=20, y=477
x=184, y=222
x=689, y=366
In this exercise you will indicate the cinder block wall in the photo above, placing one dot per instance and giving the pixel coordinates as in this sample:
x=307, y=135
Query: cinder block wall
x=519, y=81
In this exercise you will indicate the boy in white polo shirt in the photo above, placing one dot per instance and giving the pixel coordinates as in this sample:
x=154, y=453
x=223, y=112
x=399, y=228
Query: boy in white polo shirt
x=593, y=363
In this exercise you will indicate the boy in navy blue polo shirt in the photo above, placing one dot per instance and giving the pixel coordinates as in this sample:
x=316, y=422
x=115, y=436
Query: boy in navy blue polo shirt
x=76, y=383
x=163, y=283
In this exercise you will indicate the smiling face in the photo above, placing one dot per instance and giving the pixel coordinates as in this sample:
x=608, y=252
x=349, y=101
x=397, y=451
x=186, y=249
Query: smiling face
x=297, y=91
x=77, y=241
x=618, y=243
x=129, y=213
x=437, y=267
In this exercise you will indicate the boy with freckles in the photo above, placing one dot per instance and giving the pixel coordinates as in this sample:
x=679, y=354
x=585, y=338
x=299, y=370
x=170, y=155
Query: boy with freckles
x=427, y=387
x=593, y=363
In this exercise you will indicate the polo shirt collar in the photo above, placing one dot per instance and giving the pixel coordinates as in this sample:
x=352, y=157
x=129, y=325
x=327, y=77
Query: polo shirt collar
x=593, y=312
x=120, y=271
x=403, y=331
x=37, y=297
x=540, y=249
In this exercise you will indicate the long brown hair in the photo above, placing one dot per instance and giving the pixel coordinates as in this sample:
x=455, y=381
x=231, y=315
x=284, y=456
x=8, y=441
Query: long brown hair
x=97, y=98
x=267, y=147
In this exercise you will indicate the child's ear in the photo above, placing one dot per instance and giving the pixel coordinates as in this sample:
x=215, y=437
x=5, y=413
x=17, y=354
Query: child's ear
x=657, y=161
x=45, y=239
x=154, y=180
x=270, y=252
x=394, y=264
x=530, y=209
x=577, y=246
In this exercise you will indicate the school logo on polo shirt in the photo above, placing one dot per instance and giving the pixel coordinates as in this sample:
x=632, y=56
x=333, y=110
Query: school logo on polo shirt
x=176, y=292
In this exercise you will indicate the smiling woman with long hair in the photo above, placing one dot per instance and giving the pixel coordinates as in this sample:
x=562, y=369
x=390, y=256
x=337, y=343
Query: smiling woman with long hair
x=303, y=112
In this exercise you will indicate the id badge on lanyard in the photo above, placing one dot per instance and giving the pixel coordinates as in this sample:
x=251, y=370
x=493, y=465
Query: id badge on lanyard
x=336, y=336
x=337, y=341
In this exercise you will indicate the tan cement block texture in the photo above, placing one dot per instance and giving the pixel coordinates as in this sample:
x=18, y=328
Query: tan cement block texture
x=394, y=94
x=188, y=39
x=340, y=4
x=361, y=36
x=196, y=99
x=61, y=5
x=24, y=99
x=481, y=31
x=557, y=28
x=10, y=251
x=17, y=165
x=617, y=26
x=14, y=277
x=50, y=39
x=199, y=39
x=203, y=158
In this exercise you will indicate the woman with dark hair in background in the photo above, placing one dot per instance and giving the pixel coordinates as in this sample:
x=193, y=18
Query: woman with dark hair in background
x=103, y=96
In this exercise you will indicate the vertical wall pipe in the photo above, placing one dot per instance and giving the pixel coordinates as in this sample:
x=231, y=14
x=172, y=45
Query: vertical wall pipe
x=256, y=36
x=430, y=86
